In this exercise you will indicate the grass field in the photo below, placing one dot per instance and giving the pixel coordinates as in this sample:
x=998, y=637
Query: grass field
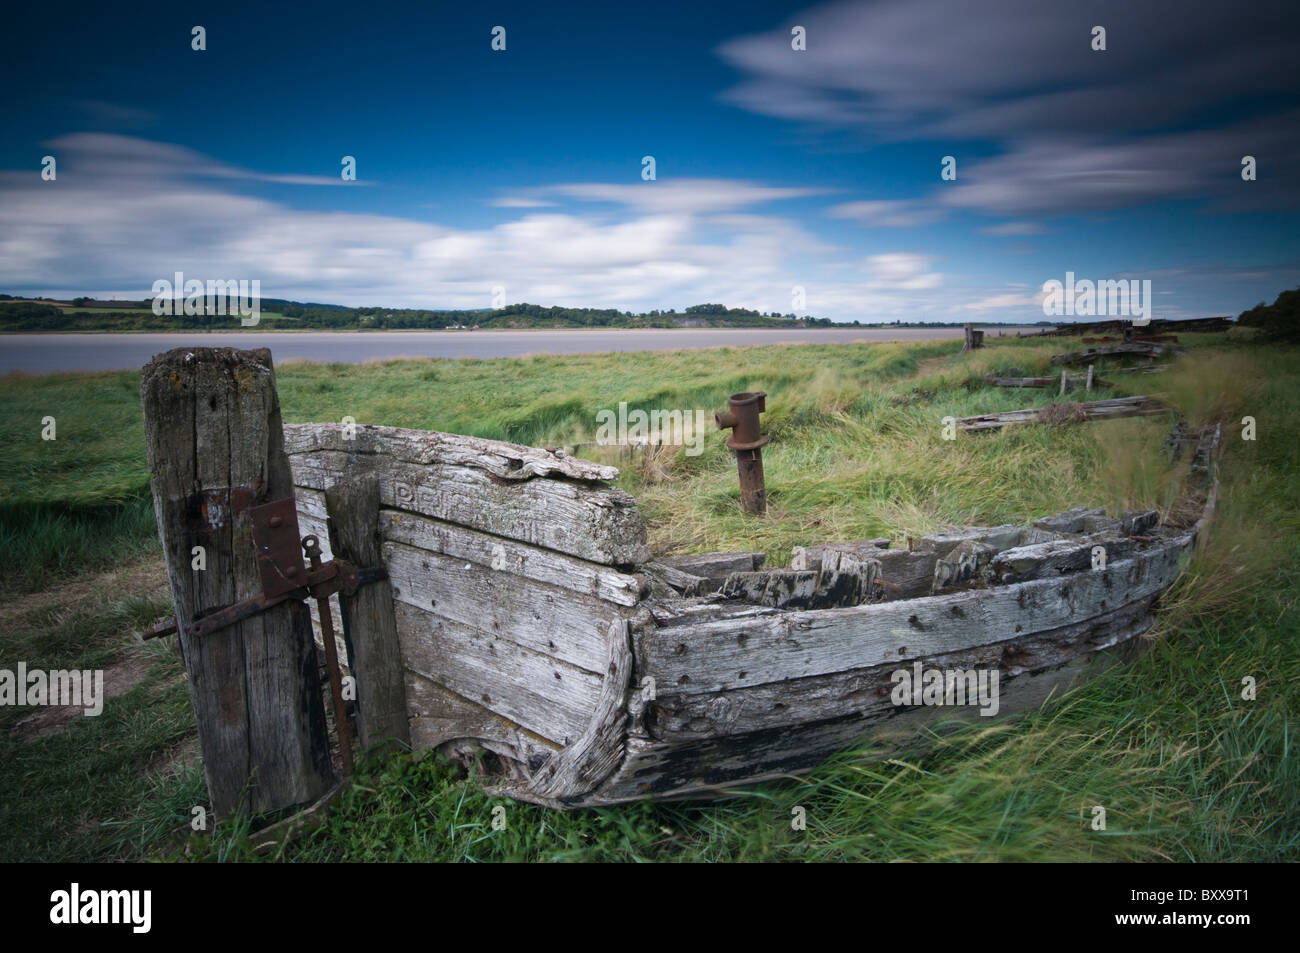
x=1186, y=768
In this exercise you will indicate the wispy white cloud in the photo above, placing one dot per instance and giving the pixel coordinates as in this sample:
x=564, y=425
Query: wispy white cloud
x=1012, y=229
x=129, y=157
x=888, y=213
x=123, y=214
x=902, y=271
x=519, y=201
x=694, y=196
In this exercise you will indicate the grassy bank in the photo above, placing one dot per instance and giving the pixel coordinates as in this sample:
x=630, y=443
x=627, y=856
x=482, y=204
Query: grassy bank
x=1185, y=767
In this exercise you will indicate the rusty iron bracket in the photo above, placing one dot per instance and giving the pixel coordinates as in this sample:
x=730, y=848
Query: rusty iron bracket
x=284, y=574
x=285, y=577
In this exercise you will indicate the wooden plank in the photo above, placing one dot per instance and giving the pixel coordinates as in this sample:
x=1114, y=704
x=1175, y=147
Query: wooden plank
x=723, y=654
x=719, y=565
x=810, y=557
x=1070, y=521
x=708, y=767
x=773, y=587
x=1049, y=560
x=537, y=692
x=1073, y=381
x=1087, y=354
x=438, y=716
x=843, y=579
x=542, y=618
x=215, y=446
x=997, y=538
x=905, y=575
x=369, y=623
x=511, y=556
x=964, y=563
x=1113, y=409
x=1093, y=525
x=590, y=521
x=509, y=461
x=1137, y=522
x=866, y=692
x=669, y=581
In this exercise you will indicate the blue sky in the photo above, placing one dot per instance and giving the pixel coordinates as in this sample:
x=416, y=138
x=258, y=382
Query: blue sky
x=775, y=168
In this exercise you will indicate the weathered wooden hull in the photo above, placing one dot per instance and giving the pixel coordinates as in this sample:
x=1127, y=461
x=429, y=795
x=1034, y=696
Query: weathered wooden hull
x=533, y=624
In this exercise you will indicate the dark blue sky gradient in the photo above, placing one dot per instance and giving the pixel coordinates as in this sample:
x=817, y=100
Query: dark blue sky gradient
x=441, y=127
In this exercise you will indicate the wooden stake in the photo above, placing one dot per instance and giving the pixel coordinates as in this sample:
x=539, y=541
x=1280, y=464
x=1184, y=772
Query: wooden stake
x=216, y=447
x=369, y=623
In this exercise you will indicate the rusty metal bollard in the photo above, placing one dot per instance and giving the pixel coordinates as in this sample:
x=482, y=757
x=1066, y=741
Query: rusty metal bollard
x=745, y=439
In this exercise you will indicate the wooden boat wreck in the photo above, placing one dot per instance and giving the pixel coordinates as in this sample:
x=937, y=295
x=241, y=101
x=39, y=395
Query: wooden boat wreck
x=535, y=626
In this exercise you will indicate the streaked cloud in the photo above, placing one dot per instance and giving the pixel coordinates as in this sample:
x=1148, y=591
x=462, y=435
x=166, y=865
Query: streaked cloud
x=1079, y=130
x=888, y=213
x=124, y=212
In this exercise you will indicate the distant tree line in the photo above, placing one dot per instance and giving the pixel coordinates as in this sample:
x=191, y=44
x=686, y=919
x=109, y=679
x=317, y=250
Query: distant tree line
x=1277, y=321
x=36, y=315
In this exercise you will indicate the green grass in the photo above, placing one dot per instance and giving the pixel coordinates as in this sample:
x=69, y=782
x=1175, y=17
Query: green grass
x=101, y=788
x=1186, y=769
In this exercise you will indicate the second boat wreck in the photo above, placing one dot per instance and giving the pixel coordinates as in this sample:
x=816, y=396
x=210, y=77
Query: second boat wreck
x=535, y=626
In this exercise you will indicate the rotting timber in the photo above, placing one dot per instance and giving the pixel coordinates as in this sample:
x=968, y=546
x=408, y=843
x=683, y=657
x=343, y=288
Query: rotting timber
x=534, y=624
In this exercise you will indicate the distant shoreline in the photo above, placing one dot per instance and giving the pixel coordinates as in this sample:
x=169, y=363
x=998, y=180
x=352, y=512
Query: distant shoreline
x=684, y=329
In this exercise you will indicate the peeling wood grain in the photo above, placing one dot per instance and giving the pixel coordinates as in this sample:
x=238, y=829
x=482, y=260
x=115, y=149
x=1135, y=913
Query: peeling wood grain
x=537, y=692
x=509, y=461
x=511, y=557
x=542, y=618
x=715, y=566
x=866, y=692
x=810, y=557
x=590, y=758
x=597, y=523
x=369, y=623
x=724, y=653
x=706, y=768
x=1131, y=349
x=1070, y=521
x=1051, y=559
x=438, y=715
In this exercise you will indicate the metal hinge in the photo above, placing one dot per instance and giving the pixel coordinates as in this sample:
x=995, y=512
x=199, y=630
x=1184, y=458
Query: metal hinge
x=283, y=573
x=285, y=576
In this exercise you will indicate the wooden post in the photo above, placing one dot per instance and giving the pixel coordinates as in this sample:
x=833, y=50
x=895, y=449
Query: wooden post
x=369, y=623
x=753, y=490
x=1062, y=381
x=215, y=448
x=1088, y=388
x=974, y=339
